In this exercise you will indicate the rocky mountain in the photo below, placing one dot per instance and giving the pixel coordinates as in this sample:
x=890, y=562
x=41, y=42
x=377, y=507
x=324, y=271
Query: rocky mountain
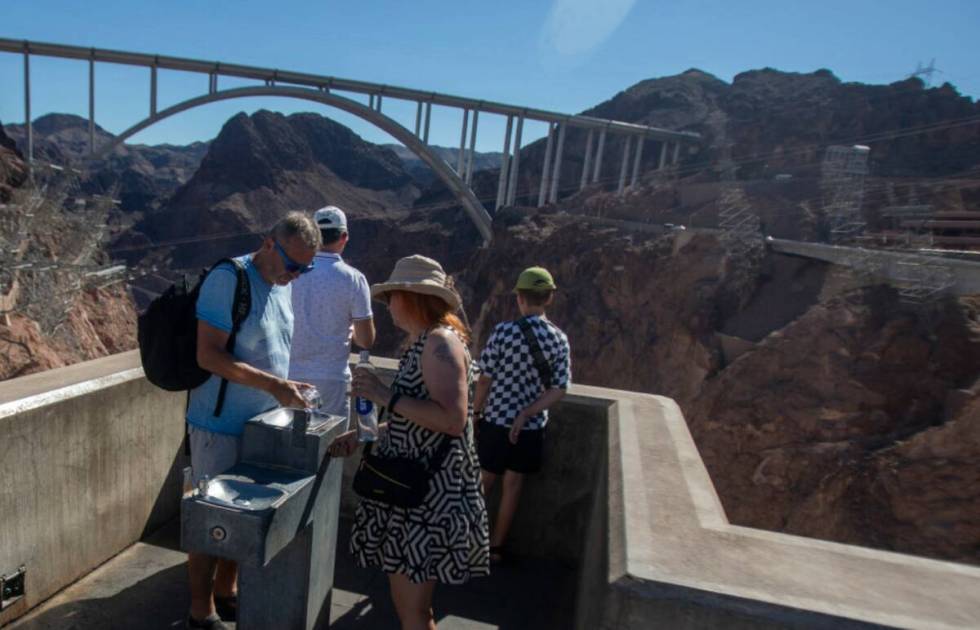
x=139, y=176
x=52, y=313
x=258, y=168
x=848, y=415
x=924, y=144
x=12, y=169
x=854, y=417
x=424, y=176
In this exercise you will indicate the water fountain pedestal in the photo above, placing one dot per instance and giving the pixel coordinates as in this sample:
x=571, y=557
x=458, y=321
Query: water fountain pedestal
x=275, y=513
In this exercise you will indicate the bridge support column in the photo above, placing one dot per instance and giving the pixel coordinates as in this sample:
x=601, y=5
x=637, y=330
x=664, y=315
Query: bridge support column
x=598, y=156
x=462, y=145
x=677, y=152
x=469, y=158
x=621, y=186
x=428, y=119
x=546, y=167
x=377, y=103
x=91, y=106
x=28, y=125
x=663, y=156
x=587, y=161
x=556, y=172
x=511, y=196
x=371, y=101
x=418, y=120
x=504, y=164
x=640, y=141
x=153, y=91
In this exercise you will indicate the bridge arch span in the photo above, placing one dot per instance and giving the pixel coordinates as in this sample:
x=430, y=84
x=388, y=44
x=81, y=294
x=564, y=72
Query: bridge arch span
x=471, y=205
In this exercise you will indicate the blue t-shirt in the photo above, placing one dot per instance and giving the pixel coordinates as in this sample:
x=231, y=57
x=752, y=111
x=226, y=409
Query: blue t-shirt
x=263, y=342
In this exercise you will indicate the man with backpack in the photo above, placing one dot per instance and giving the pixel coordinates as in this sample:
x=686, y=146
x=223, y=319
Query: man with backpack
x=249, y=364
x=524, y=369
x=331, y=304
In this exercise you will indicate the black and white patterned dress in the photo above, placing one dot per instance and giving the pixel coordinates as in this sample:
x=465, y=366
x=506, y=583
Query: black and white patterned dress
x=447, y=537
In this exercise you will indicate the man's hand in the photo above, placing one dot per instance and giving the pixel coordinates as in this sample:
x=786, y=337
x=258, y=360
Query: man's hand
x=290, y=393
x=519, y=422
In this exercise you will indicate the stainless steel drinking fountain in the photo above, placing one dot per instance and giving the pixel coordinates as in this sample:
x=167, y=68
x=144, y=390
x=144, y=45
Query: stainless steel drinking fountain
x=276, y=514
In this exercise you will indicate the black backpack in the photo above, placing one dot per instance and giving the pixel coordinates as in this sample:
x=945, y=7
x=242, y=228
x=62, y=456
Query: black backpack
x=167, y=333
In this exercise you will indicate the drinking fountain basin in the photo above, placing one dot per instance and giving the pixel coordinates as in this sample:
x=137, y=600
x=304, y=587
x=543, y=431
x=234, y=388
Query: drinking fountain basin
x=242, y=494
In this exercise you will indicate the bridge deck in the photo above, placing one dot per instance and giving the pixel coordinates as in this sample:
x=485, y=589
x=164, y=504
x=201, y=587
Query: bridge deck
x=146, y=587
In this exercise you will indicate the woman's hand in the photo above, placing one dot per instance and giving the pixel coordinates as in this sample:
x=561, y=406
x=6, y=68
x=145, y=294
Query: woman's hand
x=343, y=445
x=368, y=385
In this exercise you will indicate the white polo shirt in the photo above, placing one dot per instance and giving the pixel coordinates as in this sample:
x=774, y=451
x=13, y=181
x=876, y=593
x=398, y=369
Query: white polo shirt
x=325, y=303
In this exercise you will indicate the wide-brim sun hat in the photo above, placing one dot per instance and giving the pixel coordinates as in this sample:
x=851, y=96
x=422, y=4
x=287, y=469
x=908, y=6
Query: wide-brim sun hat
x=418, y=274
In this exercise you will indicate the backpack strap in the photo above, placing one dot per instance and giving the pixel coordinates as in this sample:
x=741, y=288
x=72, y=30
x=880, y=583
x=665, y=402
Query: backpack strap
x=240, y=308
x=540, y=362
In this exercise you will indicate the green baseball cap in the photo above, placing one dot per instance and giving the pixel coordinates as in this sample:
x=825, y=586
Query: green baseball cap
x=535, y=279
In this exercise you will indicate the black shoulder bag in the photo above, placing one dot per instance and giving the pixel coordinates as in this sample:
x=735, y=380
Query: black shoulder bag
x=398, y=481
x=540, y=362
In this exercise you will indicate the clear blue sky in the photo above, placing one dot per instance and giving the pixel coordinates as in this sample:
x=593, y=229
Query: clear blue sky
x=565, y=55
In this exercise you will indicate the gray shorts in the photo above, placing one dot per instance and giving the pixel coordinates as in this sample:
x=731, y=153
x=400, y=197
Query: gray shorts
x=212, y=453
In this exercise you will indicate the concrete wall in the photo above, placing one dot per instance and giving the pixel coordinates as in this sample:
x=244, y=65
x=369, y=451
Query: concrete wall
x=89, y=461
x=556, y=502
x=673, y=560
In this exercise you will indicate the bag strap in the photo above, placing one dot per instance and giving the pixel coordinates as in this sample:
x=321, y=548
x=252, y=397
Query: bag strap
x=540, y=362
x=240, y=308
x=440, y=453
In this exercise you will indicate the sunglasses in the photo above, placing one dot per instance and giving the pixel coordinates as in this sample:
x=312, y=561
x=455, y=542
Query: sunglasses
x=291, y=265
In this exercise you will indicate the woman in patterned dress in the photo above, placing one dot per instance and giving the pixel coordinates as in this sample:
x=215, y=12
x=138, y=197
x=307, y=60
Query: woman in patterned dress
x=446, y=539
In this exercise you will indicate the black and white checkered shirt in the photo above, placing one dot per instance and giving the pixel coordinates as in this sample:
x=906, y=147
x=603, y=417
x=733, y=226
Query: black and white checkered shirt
x=516, y=382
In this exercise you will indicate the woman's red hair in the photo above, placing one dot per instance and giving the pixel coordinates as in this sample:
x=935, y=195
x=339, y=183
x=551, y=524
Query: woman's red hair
x=432, y=311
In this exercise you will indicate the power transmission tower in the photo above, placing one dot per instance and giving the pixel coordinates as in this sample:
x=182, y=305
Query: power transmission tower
x=925, y=72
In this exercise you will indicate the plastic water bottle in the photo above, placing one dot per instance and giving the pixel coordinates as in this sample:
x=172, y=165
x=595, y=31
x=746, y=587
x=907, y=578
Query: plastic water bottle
x=312, y=397
x=367, y=414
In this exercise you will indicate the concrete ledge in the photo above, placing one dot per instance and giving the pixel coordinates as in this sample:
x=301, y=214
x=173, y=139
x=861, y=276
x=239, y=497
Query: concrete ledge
x=89, y=461
x=674, y=560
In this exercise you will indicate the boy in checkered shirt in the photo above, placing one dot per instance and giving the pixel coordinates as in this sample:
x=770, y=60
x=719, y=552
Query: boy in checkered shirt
x=513, y=395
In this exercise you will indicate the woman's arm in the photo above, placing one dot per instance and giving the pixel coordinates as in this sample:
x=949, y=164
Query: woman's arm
x=444, y=373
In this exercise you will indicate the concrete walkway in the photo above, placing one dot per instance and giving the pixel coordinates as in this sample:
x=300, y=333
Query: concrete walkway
x=145, y=587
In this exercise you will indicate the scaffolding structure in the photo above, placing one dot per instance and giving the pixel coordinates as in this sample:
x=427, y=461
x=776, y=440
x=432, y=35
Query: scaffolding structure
x=842, y=180
x=739, y=225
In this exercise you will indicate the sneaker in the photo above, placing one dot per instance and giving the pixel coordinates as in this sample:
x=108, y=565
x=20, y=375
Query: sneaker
x=227, y=607
x=208, y=623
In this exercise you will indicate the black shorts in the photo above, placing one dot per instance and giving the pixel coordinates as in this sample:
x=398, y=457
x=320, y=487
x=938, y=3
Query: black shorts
x=497, y=454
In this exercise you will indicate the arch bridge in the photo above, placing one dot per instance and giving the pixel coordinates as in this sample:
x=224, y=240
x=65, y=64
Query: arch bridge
x=337, y=92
